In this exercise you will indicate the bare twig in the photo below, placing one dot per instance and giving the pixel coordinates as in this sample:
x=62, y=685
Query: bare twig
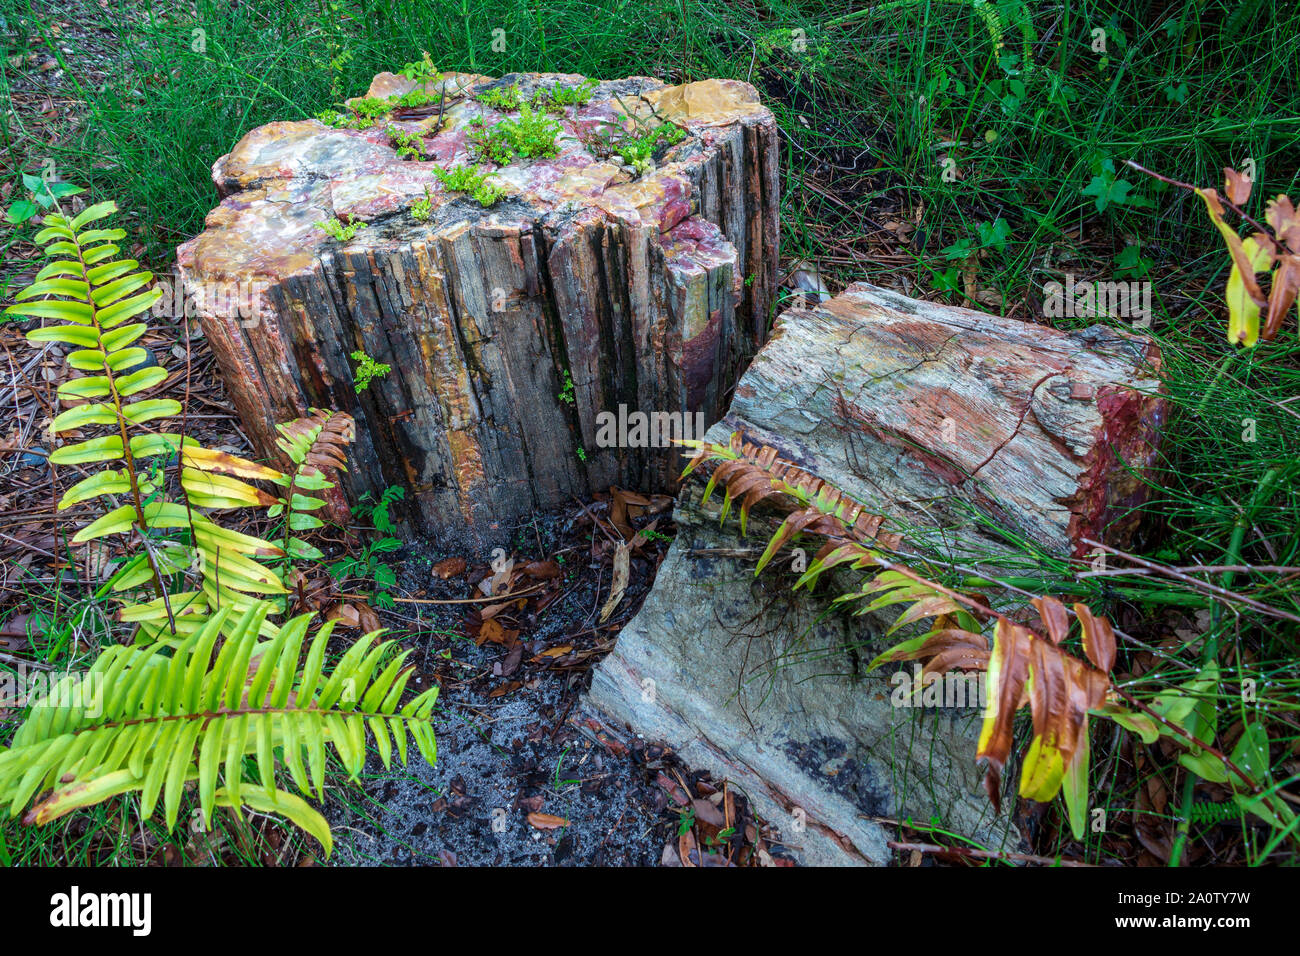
x=985, y=854
x=1205, y=586
x=497, y=597
x=1191, y=188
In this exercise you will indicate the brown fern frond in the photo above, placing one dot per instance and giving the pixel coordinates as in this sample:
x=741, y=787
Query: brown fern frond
x=1023, y=668
x=318, y=440
x=756, y=473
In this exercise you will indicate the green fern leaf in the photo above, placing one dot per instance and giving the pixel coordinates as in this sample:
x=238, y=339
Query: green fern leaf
x=149, y=721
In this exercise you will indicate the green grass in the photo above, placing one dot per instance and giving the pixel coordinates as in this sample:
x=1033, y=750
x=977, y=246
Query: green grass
x=913, y=150
x=881, y=93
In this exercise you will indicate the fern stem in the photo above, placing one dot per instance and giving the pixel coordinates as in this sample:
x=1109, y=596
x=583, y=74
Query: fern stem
x=209, y=715
x=288, y=514
x=127, y=457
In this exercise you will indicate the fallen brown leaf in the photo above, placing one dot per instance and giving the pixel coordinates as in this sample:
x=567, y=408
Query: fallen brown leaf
x=542, y=570
x=449, y=567
x=346, y=614
x=511, y=663
x=547, y=821
x=674, y=791
x=505, y=689
x=622, y=558
x=492, y=632
x=687, y=849
x=706, y=811
x=621, y=505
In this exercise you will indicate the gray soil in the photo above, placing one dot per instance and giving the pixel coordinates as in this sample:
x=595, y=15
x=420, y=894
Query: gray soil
x=533, y=749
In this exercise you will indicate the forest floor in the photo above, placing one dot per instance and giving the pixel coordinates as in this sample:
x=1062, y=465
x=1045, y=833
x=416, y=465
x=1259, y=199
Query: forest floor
x=525, y=774
x=102, y=95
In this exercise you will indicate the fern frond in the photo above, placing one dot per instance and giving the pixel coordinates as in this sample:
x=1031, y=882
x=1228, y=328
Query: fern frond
x=93, y=296
x=316, y=444
x=755, y=473
x=318, y=440
x=142, y=721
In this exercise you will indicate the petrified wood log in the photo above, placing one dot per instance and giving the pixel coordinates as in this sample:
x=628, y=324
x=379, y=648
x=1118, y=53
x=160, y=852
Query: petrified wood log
x=958, y=424
x=649, y=288
x=951, y=423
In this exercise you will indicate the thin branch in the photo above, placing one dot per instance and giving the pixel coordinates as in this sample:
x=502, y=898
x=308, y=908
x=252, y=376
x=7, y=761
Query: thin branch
x=1193, y=741
x=1196, y=189
x=497, y=597
x=985, y=854
x=1230, y=596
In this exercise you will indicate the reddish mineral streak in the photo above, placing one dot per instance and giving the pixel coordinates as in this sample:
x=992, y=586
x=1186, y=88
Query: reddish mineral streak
x=1124, y=451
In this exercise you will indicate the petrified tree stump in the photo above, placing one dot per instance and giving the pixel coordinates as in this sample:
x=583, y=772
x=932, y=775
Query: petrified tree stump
x=951, y=423
x=648, y=287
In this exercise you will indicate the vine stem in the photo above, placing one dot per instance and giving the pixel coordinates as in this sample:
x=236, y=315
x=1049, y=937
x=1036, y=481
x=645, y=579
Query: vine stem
x=1196, y=189
x=1211, y=654
x=1220, y=592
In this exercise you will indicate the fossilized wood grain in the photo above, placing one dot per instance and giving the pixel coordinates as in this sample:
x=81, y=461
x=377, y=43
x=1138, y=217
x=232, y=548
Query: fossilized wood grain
x=652, y=291
x=925, y=412
x=917, y=410
x=758, y=684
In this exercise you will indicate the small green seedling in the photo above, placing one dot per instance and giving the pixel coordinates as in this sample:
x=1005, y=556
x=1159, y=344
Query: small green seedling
x=414, y=100
x=505, y=98
x=367, y=370
x=637, y=149
x=371, y=107
x=422, y=209
x=464, y=179
x=421, y=71
x=335, y=229
x=510, y=99
x=372, y=570
x=558, y=97
x=408, y=145
x=333, y=118
x=531, y=136
x=42, y=196
x=378, y=512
